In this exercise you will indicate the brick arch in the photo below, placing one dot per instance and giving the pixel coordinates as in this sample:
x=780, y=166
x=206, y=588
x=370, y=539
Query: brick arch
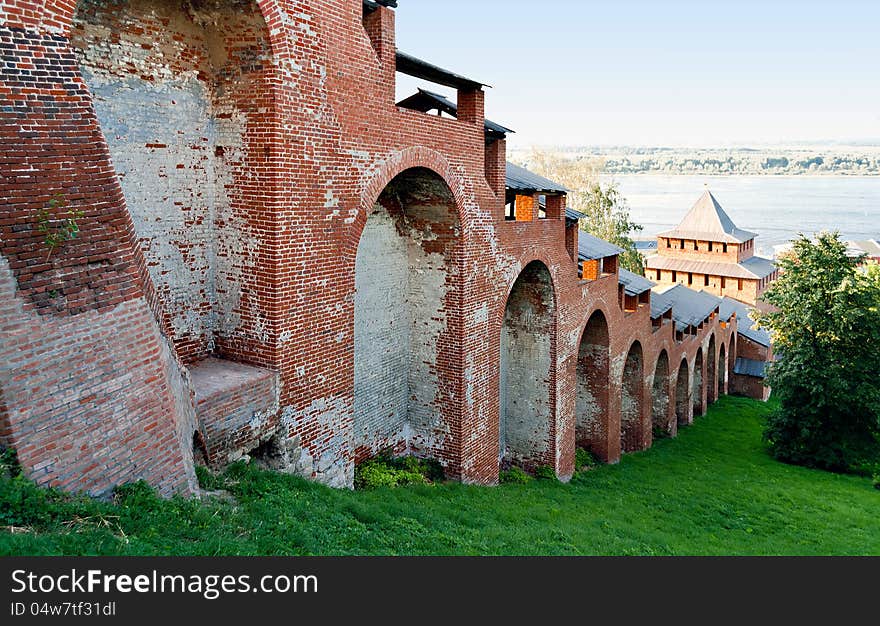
x=409, y=158
x=722, y=372
x=601, y=310
x=527, y=369
x=498, y=315
x=406, y=303
x=661, y=398
x=57, y=18
x=698, y=382
x=633, y=410
x=731, y=354
x=592, y=381
x=711, y=356
x=683, y=404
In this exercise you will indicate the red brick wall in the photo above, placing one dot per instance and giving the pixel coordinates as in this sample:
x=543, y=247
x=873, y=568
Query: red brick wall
x=5, y=427
x=182, y=95
x=748, y=349
x=92, y=394
x=322, y=141
x=733, y=254
x=749, y=386
x=90, y=400
x=571, y=241
x=496, y=166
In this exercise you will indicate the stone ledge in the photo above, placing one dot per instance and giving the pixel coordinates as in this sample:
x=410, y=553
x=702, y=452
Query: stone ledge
x=234, y=404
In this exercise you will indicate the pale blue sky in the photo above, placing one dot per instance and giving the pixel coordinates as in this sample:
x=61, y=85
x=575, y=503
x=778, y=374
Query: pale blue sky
x=663, y=72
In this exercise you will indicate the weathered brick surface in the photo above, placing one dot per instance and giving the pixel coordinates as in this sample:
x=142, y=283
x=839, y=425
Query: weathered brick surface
x=181, y=97
x=92, y=395
x=682, y=400
x=52, y=147
x=251, y=145
x=527, y=369
x=405, y=285
x=749, y=386
x=89, y=400
x=661, y=394
x=592, y=380
x=234, y=403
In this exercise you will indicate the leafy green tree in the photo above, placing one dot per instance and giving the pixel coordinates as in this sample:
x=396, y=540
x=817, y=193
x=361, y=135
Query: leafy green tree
x=606, y=209
x=826, y=331
x=608, y=218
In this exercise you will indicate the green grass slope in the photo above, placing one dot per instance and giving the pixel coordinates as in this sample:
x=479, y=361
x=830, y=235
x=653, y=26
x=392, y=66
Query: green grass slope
x=713, y=490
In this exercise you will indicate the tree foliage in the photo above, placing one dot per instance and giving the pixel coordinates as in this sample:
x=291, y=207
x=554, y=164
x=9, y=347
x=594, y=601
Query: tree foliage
x=606, y=209
x=608, y=218
x=826, y=331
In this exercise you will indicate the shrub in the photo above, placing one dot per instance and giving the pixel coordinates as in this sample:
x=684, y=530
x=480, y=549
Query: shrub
x=875, y=476
x=136, y=494
x=22, y=503
x=57, y=230
x=660, y=432
x=429, y=468
x=9, y=467
x=545, y=472
x=386, y=471
x=208, y=480
x=514, y=476
x=584, y=460
x=825, y=326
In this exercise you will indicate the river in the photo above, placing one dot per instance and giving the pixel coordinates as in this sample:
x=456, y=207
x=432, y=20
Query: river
x=775, y=207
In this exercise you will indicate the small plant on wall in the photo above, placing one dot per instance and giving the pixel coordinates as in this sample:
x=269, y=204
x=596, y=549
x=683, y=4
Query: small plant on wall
x=58, y=230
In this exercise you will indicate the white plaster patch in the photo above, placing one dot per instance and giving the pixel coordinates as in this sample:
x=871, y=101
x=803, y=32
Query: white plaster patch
x=331, y=465
x=382, y=332
x=481, y=314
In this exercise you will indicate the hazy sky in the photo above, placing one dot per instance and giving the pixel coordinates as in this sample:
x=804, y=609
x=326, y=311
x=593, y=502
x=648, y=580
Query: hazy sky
x=664, y=72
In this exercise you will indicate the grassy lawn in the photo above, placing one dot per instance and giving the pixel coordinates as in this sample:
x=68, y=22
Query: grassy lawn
x=713, y=490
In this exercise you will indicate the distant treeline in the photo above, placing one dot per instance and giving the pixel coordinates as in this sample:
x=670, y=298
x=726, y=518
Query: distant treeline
x=734, y=161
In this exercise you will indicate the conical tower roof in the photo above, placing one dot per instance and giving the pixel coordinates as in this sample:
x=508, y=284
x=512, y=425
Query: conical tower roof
x=707, y=221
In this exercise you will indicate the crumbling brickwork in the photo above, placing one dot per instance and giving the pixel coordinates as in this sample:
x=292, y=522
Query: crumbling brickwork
x=526, y=370
x=92, y=395
x=592, y=380
x=661, y=416
x=234, y=404
x=180, y=91
x=276, y=259
x=684, y=405
x=404, y=286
